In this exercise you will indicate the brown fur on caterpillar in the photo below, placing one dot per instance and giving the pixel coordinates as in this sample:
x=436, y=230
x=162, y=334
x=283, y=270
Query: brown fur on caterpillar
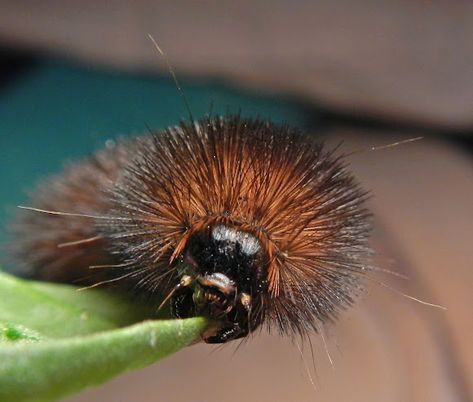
x=239, y=220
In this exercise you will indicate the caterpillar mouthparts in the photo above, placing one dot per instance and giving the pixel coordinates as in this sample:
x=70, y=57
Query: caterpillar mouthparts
x=240, y=220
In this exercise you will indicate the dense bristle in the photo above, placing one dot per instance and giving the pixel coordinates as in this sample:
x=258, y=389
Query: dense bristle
x=37, y=237
x=155, y=193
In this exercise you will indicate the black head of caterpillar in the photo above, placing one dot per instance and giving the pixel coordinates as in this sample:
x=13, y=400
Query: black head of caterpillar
x=239, y=220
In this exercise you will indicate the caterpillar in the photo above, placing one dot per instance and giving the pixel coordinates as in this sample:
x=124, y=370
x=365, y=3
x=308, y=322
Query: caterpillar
x=243, y=221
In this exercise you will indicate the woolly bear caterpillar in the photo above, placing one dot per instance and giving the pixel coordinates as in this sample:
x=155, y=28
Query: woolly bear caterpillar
x=240, y=220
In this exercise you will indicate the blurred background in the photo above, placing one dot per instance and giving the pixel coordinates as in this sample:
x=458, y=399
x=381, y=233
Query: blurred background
x=368, y=73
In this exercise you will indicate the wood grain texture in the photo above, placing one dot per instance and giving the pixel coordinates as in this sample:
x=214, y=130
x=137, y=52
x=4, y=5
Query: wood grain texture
x=405, y=60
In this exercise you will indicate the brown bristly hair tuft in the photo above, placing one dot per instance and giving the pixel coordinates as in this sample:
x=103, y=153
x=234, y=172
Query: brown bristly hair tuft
x=148, y=196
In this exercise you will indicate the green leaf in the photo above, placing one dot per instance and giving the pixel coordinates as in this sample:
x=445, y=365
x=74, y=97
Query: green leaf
x=61, y=310
x=51, y=369
x=55, y=341
x=14, y=333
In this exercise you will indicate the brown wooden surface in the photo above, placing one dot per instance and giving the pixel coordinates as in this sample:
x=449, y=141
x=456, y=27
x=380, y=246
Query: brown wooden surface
x=405, y=60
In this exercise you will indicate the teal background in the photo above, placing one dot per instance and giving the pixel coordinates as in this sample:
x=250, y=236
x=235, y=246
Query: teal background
x=60, y=111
